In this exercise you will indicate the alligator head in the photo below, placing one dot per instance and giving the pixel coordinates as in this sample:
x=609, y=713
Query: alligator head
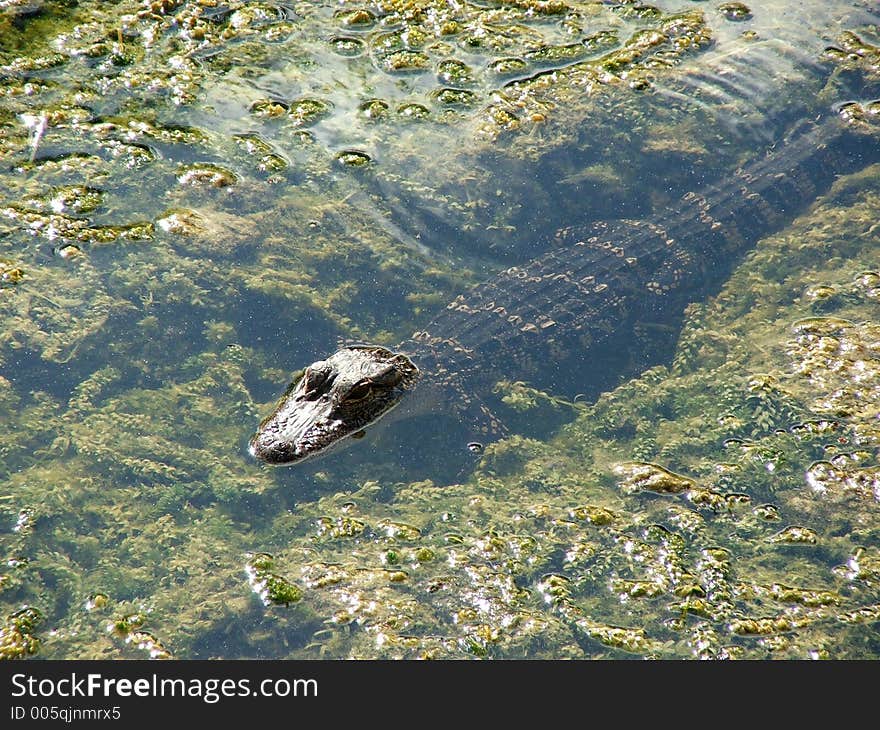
x=332, y=400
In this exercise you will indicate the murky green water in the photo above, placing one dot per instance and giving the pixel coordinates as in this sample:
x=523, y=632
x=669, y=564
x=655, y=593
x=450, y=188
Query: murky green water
x=198, y=198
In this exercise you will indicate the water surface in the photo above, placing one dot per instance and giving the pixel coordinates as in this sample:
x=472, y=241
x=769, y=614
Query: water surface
x=197, y=199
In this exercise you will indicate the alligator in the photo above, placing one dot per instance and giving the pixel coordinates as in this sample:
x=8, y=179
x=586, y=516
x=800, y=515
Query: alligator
x=587, y=294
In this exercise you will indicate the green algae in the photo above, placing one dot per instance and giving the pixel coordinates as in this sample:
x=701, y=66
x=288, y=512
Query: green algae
x=353, y=158
x=271, y=588
x=453, y=71
x=17, y=639
x=735, y=11
x=144, y=250
x=307, y=111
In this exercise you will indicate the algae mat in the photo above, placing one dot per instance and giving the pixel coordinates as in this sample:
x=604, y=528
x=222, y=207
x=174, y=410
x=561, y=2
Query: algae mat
x=198, y=197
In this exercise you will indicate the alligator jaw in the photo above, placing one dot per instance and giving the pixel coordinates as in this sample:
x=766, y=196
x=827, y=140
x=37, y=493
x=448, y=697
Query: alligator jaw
x=333, y=400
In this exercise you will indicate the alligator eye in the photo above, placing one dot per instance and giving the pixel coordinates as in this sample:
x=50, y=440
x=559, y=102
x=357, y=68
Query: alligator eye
x=312, y=381
x=359, y=391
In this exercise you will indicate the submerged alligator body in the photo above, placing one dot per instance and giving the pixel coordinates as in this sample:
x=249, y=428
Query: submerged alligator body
x=585, y=295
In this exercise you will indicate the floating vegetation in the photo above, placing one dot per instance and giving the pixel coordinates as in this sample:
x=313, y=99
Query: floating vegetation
x=508, y=66
x=374, y=109
x=307, y=111
x=17, y=638
x=353, y=158
x=97, y=602
x=554, y=55
x=128, y=628
x=269, y=108
x=355, y=18
x=75, y=199
x=347, y=46
x=202, y=174
x=341, y=527
x=594, y=515
x=453, y=71
x=651, y=477
x=413, y=111
x=454, y=97
x=10, y=274
x=795, y=536
x=272, y=589
x=146, y=642
x=184, y=221
x=735, y=11
x=125, y=625
x=267, y=159
x=405, y=62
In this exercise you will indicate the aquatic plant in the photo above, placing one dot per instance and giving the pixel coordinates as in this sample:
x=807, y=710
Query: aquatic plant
x=173, y=241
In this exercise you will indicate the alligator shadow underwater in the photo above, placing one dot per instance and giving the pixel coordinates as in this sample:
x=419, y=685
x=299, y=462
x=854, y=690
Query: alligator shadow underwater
x=604, y=300
x=603, y=304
